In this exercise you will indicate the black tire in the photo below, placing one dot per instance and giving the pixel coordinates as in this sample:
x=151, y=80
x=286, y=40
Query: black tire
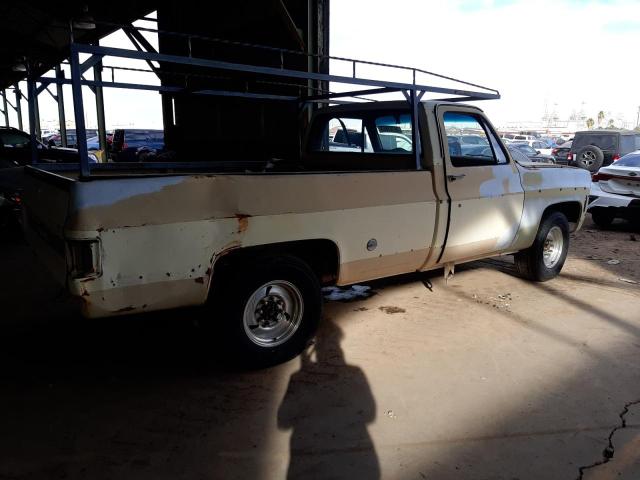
x=234, y=297
x=590, y=158
x=602, y=217
x=530, y=263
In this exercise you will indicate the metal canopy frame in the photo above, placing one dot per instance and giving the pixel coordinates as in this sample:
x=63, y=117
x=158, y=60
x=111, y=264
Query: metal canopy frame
x=413, y=92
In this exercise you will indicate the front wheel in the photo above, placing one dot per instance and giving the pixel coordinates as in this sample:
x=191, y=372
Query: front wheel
x=269, y=311
x=545, y=258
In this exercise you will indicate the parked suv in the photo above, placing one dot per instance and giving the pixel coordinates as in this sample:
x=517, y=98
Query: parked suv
x=596, y=148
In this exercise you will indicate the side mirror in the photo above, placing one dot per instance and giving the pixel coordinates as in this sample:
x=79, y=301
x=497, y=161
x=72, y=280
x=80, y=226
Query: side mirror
x=51, y=143
x=537, y=151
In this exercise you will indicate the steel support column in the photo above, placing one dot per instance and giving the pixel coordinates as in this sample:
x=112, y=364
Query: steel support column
x=78, y=110
x=31, y=102
x=18, y=105
x=60, y=99
x=102, y=132
x=5, y=107
x=36, y=111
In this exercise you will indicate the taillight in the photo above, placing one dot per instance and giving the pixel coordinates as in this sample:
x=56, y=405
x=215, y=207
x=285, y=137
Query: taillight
x=570, y=157
x=616, y=157
x=554, y=151
x=124, y=145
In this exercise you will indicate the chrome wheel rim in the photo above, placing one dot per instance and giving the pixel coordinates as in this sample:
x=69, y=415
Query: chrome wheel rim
x=588, y=158
x=273, y=313
x=552, y=250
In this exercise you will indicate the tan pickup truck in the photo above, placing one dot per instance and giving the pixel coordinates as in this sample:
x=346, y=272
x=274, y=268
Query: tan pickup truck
x=256, y=244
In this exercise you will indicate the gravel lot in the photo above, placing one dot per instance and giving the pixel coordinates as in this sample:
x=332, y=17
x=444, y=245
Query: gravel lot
x=488, y=377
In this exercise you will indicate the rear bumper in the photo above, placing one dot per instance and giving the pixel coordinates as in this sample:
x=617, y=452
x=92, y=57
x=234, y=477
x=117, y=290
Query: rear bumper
x=598, y=198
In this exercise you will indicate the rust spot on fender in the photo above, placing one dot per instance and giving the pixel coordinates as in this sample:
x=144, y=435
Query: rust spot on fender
x=243, y=221
x=199, y=280
x=85, y=293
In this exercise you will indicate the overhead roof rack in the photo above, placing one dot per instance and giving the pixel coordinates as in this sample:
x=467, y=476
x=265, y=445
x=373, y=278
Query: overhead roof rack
x=365, y=86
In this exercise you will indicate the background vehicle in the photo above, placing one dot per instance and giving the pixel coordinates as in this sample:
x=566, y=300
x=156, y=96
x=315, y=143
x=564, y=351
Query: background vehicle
x=561, y=153
x=593, y=149
x=256, y=241
x=15, y=146
x=520, y=157
x=134, y=145
x=72, y=140
x=541, y=146
x=616, y=192
x=518, y=137
x=93, y=143
x=532, y=153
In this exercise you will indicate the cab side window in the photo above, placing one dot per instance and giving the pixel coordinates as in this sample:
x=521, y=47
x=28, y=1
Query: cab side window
x=470, y=142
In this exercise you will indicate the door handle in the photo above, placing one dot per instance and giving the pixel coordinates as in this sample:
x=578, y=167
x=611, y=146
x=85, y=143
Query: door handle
x=453, y=178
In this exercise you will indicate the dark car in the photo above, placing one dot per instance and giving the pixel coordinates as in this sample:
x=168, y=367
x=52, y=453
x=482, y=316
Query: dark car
x=533, y=154
x=15, y=146
x=593, y=149
x=561, y=153
x=135, y=145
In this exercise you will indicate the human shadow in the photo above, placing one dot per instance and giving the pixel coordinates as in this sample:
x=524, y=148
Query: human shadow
x=328, y=405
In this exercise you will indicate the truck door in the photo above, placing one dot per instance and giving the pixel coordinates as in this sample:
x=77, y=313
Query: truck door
x=485, y=193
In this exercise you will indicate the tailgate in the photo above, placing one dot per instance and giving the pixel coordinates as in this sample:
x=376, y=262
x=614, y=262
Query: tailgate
x=46, y=200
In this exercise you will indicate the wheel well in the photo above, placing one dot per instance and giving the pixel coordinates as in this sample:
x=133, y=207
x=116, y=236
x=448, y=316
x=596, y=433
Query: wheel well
x=321, y=255
x=571, y=210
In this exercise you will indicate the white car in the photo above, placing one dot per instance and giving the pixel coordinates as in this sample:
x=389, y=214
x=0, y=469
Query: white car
x=540, y=146
x=615, y=192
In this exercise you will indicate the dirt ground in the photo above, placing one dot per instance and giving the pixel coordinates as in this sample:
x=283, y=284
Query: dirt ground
x=486, y=377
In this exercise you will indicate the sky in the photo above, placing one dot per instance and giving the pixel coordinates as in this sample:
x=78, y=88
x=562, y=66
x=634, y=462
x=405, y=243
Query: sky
x=544, y=55
x=557, y=53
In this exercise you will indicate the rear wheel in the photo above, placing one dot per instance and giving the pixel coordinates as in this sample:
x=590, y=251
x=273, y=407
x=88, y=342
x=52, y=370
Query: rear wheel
x=269, y=311
x=545, y=258
x=602, y=217
x=590, y=158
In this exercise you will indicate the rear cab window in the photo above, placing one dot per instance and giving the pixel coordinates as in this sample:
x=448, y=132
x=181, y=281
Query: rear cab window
x=485, y=149
x=366, y=140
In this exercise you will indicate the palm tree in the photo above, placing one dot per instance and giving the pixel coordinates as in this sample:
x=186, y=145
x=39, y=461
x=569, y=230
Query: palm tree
x=590, y=123
x=600, y=117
